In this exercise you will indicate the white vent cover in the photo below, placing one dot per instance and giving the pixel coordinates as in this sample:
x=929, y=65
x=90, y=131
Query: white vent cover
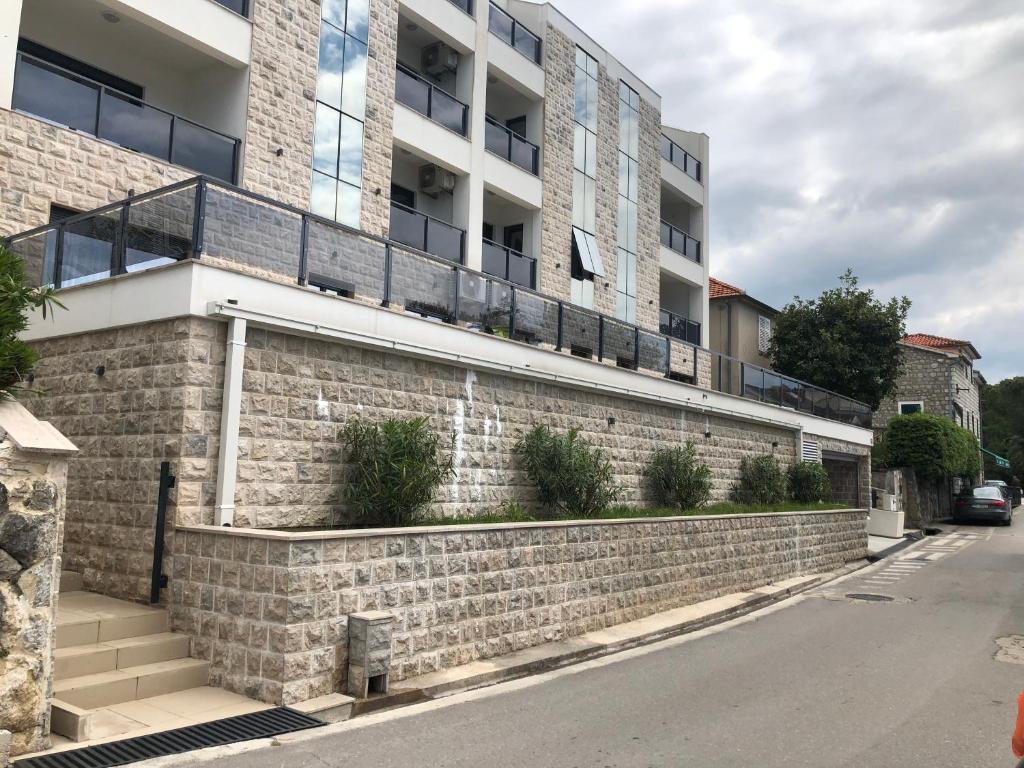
x=811, y=451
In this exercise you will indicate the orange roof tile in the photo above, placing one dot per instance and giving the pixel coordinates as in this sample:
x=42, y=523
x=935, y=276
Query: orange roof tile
x=953, y=346
x=717, y=289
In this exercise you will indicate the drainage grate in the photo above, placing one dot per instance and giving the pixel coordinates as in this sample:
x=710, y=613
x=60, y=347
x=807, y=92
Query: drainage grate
x=256, y=725
x=870, y=597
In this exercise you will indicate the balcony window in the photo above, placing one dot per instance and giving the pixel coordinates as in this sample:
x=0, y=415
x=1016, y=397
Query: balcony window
x=54, y=93
x=506, y=28
x=421, y=95
x=509, y=145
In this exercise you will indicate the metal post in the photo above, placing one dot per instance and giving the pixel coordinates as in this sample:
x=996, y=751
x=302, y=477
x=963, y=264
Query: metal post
x=119, y=258
x=636, y=348
x=560, y=332
x=198, y=220
x=387, y=276
x=303, y=259
x=743, y=379
x=170, y=143
x=458, y=291
x=600, y=338
x=512, y=314
x=58, y=257
x=158, y=579
x=668, y=356
x=99, y=110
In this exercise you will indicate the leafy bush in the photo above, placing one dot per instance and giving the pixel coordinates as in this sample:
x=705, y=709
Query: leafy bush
x=395, y=468
x=933, y=446
x=573, y=478
x=16, y=298
x=761, y=481
x=677, y=479
x=808, y=482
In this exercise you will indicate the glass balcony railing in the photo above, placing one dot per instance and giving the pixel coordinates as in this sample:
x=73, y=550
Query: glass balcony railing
x=60, y=96
x=465, y=5
x=425, y=233
x=241, y=7
x=511, y=146
x=204, y=218
x=680, y=242
x=678, y=327
x=680, y=158
x=509, y=264
x=429, y=100
x=515, y=34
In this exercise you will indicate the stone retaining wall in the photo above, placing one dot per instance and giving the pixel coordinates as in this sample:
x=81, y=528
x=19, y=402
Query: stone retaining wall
x=269, y=609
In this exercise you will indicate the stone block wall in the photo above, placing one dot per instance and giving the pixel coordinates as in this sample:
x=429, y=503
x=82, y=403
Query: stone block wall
x=926, y=377
x=270, y=610
x=32, y=497
x=851, y=477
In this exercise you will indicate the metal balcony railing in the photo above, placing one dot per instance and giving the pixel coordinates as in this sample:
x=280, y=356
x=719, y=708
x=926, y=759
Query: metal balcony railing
x=203, y=218
x=425, y=233
x=680, y=158
x=509, y=264
x=241, y=7
x=426, y=98
x=508, y=144
x=680, y=242
x=503, y=26
x=64, y=97
x=465, y=5
x=679, y=327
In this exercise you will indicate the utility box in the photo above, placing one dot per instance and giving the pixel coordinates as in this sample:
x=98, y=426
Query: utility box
x=886, y=522
x=369, y=652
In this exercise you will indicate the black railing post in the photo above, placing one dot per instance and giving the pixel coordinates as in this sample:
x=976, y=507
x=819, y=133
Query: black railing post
x=99, y=109
x=696, y=351
x=119, y=262
x=636, y=348
x=600, y=338
x=198, y=220
x=170, y=143
x=387, y=275
x=561, y=324
x=512, y=314
x=158, y=578
x=303, y=257
x=668, y=356
x=458, y=291
x=58, y=257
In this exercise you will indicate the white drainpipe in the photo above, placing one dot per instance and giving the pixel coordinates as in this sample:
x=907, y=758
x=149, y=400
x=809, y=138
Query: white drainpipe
x=231, y=408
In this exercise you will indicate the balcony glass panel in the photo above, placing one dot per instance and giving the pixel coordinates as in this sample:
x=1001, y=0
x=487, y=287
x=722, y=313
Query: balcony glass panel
x=52, y=94
x=36, y=253
x=619, y=343
x=422, y=285
x=465, y=5
x=580, y=331
x=500, y=24
x=496, y=138
x=753, y=383
x=412, y=91
x=493, y=262
x=135, y=125
x=536, y=319
x=772, y=388
x=521, y=269
x=527, y=43
x=343, y=262
x=239, y=229
x=448, y=111
x=484, y=304
x=444, y=240
x=653, y=352
x=791, y=393
x=524, y=154
x=203, y=150
x=88, y=248
x=160, y=230
x=241, y=7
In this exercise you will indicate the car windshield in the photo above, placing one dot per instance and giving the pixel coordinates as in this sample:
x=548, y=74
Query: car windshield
x=987, y=492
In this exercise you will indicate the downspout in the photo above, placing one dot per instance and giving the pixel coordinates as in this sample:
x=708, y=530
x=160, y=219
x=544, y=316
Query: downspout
x=230, y=416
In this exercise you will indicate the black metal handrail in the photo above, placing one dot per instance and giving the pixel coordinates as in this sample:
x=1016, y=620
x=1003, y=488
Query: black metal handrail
x=680, y=158
x=509, y=145
x=680, y=242
x=505, y=27
x=431, y=228
x=510, y=264
x=170, y=147
x=433, y=101
x=216, y=214
x=679, y=327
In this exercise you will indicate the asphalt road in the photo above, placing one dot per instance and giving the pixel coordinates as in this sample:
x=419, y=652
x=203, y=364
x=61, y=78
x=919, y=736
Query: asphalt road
x=819, y=681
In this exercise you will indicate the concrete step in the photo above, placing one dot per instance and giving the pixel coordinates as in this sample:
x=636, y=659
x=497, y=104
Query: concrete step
x=70, y=581
x=85, y=618
x=102, y=689
x=80, y=660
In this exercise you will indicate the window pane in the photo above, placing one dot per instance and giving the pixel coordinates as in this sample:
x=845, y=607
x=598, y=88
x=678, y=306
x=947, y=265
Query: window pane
x=322, y=199
x=621, y=265
x=54, y=96
x=631, y=226
x=334, y=12
x=353, y=95
x=623, y=174
x=578, y=199
x=634, y=180
x=623, y=228
x=631, y=274
x=203, y=150
x=325, y=140
x=634, y=134
x=631, y=309
x=357, y=19
x=591, y=66
x=581, y=59
x=624, y=113
x=579, y=147
x=589, y=204
x=591, y=104
x=332, y=57
x=348, y=204
x=135, y=125
x=623, y=92
x=581, y=97
x=591, y=169
x=350, y=165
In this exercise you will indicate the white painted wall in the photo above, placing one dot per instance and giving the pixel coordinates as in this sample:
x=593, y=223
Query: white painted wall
x=10, y=23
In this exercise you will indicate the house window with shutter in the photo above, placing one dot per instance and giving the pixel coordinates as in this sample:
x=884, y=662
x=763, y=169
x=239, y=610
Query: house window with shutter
x=764, y=333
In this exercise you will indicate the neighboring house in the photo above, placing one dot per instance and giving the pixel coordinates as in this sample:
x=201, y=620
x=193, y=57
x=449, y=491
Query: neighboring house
x=739, y=325
x=938, y=377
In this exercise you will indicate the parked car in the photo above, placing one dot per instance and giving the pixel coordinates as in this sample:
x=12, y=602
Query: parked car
x=983, y=502
x=1012, y=493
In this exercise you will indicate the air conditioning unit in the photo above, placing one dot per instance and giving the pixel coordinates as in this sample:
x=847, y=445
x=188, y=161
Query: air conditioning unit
x=439, y=59
x=434, y=180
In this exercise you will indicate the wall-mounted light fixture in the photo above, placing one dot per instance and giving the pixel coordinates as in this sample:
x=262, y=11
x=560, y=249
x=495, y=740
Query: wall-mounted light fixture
x=100, y=370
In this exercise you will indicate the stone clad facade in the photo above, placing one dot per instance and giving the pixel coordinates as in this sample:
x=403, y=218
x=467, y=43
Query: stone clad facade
x=269, y=610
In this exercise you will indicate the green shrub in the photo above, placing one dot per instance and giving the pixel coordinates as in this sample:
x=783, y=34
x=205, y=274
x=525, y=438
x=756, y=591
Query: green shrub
x=395, y=468
x=761, y=481
x=933, y=446
x=16, y=299
x=573, y=478
x=808, y=482
x=677, y=479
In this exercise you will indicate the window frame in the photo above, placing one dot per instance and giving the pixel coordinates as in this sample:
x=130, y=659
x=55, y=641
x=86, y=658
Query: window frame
x=764, y=338
x=901, y=403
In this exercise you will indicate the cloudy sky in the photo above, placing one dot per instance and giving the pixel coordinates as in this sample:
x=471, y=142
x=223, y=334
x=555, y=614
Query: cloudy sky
x=884, y=136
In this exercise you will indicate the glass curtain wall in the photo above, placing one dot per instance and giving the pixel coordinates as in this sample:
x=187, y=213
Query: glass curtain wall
x=585, y=263
x=629, y=151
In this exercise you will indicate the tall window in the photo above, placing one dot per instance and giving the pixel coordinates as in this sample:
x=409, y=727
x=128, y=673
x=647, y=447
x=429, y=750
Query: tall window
x=586, y=260
x=764, y=334
x=340, y=111
x=629, y=150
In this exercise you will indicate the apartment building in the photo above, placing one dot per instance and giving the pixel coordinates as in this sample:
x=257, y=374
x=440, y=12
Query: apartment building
x=267, y=217
x=739, y=325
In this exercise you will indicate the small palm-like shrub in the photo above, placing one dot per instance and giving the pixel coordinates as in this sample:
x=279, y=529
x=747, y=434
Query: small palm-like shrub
x=395, y=468
x=761, y=482
x=808, y=482
x=17, y=298
x=677, y=479
x=573, y=477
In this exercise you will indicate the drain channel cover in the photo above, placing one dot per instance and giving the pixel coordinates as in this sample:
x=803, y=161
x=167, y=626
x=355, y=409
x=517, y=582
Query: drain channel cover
x=870, y=597
x=256, y=725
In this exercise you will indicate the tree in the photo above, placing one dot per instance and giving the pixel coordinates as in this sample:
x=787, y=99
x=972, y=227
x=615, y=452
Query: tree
x=16, y=300
x=845, y=340
x=1002, y=420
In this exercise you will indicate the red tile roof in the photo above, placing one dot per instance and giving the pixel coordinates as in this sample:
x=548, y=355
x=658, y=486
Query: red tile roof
x=952, y=346
x=717, y=289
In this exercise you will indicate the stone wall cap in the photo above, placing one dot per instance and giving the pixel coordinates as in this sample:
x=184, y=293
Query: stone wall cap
x=372, y=616
x=29, y=433
x=356, y=533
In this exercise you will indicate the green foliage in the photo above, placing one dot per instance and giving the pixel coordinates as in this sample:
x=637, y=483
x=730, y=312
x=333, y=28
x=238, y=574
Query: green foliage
x=573, y=477
x=16, y=299
x=844, y=340
x=808, y=482
x=761, y=481
x=395, y=468
x=935, y=447
x=677, y=479
x=1003, y=427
